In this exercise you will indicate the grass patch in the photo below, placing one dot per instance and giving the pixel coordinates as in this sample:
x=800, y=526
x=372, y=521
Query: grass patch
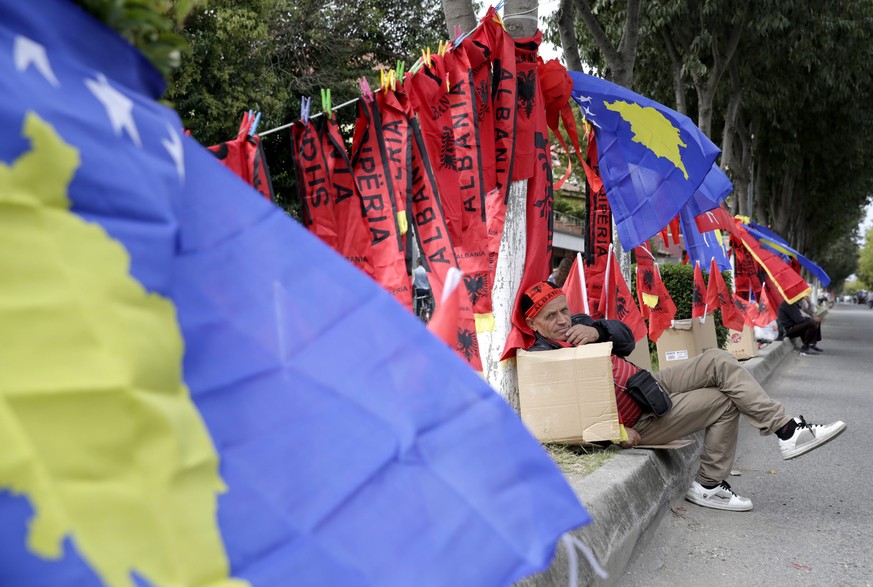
x=580, y=460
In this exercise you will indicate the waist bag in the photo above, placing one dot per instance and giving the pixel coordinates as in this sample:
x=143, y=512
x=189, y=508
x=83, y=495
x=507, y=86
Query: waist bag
x=641, y=386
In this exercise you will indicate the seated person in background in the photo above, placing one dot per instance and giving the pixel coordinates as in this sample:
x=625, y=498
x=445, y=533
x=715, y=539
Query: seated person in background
x=709, y=392
x=794, y=322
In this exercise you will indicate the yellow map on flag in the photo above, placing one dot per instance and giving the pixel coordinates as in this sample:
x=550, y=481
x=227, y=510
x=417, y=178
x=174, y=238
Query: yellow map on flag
x=97, y=429
x=660, y=136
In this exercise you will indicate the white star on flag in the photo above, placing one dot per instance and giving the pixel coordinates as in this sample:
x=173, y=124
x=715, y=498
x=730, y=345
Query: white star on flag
x=26, y=53
x=119, y=107
x=173, y=145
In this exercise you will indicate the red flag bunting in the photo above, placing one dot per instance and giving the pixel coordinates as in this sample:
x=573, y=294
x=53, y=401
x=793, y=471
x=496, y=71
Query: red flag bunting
x=730, y=314
x=353, y=236
x=436, y=248
x=244, y=155
x=373, y=177
x=529, y=105
x=698, y=295
x=617, y=302
x=313, y=183
x=656, y=305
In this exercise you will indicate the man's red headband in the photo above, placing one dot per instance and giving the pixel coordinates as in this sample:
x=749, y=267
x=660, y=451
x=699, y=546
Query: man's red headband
x=540, y=295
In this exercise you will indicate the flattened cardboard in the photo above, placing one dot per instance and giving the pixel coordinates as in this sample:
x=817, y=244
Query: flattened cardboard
x=567, y=396
x=670, y=445
x=640, y=356
x=676, y=344
x=704, y=335
x=742, y=344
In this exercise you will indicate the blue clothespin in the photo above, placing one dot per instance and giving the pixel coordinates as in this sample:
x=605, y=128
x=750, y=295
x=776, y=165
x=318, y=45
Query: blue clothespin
x=304, y=108
x=254, y=125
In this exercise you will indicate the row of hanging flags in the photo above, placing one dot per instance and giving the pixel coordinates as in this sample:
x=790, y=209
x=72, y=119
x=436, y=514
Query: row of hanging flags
x=434, y=151
x=433, y=154
x=437, y=149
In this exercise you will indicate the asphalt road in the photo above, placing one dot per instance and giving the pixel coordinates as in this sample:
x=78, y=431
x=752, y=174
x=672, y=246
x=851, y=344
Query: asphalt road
x=812, y=522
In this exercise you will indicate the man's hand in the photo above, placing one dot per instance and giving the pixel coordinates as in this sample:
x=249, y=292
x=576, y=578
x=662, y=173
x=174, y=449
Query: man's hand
x=633, y=438
x=580, y=334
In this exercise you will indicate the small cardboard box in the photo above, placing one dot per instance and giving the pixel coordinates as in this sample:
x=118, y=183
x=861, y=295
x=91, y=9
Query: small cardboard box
x=640, y=355
x=704, y=334
x=742, y=344
x=676, y=344
x=567, y=396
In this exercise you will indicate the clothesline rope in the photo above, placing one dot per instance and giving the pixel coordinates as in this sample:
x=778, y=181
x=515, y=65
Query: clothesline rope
x=516, y=15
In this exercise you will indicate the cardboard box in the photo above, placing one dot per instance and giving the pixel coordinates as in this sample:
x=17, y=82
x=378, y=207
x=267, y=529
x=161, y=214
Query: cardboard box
x=676, y=344
x=704, y=334
x=567, y=396
x=742, y=344
x=641, y=357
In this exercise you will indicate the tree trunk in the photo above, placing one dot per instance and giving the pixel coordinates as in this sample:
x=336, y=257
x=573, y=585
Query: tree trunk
x=730, y=121
x=567, y=31
x=761, y=197
x=459, y=13
x=676, y=68
x=620, y=60
x=521, y=18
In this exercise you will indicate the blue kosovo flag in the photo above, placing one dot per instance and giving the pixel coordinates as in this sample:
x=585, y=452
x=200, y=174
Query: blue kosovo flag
x=198, y=392
x=652, y=159
x=777, y=244
x=714, y=189
x=702, y=246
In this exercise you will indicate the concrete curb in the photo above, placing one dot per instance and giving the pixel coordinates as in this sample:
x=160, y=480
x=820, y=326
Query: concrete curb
x=630, y=494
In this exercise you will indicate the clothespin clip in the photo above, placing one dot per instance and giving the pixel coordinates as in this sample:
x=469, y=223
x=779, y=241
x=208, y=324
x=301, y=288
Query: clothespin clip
x=400, y=68
x=254, y=126
x=385, y=78
x=426, y=57
x=443, y=46
x=366, y=92
x=325, y=101
x=305, y=103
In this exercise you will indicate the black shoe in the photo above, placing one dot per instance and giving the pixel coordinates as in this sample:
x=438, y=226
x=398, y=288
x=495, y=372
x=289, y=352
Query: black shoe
x=806, y=350
x=815, y=348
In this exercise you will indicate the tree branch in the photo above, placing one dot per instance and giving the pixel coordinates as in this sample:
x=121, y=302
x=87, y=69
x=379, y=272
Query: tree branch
x=567, y=31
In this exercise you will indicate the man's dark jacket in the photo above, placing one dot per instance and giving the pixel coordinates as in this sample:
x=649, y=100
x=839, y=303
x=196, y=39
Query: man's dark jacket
x=609, y=330
x=790, y=316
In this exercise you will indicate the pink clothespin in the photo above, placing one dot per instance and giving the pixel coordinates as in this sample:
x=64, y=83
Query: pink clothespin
x=366, y=92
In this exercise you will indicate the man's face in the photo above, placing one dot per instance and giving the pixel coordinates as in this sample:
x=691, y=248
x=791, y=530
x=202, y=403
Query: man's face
x=553, y=320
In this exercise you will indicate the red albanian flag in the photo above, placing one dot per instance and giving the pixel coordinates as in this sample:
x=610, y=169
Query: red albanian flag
x=745, y=308
x=575, y=288
x=730, y=314
x=373, y=176
x=655, y=302
x=244, y=155
x=698, y=294
x=617, y=302
x=766, y=309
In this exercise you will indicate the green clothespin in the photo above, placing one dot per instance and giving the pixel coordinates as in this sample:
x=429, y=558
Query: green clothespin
x=401, y=67
x=325, y=101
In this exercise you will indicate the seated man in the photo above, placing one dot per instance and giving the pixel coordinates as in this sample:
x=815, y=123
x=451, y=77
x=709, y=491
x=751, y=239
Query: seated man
x=794, y=322
x=709, y=392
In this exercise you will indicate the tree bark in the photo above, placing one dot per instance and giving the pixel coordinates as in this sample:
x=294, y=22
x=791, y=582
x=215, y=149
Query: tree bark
x=521, y=18
x=459, y=13
x=676, y=68
x=620, y=61
x=566, y=28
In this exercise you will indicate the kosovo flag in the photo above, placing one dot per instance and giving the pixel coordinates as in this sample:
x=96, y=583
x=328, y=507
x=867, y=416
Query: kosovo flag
x=200, y=392
x=652, y=159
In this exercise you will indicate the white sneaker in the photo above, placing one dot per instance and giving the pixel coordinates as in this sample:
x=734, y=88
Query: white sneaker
x=720, y=497
x=809, y=436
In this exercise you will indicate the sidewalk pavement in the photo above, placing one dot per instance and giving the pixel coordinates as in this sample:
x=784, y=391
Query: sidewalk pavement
x=629, y=494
